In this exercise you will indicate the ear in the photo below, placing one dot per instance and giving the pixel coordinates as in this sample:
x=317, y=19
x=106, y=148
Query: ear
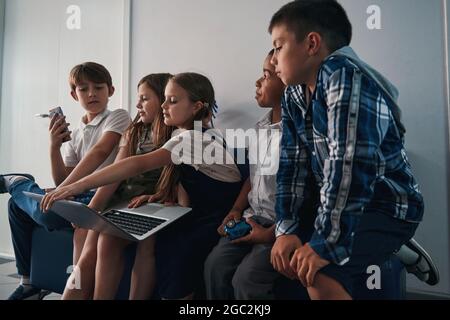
x=74, y=95
x=314, y=43
x=197, y=107
x=111, y=90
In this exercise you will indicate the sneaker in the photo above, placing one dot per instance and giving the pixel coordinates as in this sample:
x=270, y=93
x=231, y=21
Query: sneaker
x=28, y=293
x=3, y=188
x=423, y=268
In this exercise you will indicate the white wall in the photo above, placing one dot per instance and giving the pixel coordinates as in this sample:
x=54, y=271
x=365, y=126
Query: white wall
x=225, y=40
x=409, y=50
x=2, y=25
x=39, y=51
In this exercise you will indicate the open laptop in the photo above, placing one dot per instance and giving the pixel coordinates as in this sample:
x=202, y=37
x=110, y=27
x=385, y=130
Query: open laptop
x=132, y=224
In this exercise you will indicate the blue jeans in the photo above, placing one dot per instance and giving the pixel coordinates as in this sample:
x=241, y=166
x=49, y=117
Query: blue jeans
x=25, y=214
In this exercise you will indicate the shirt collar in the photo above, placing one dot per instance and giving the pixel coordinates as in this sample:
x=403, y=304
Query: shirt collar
x=97, y=120
x=266, y=122
x=297, y=96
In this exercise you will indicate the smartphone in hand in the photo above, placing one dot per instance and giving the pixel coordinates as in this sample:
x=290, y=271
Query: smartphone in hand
x=55, y=111
x=58, y=111
x=51, y=113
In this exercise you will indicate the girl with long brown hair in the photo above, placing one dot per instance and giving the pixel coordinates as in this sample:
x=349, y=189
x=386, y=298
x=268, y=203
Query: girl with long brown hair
x=212, y=187
x=146, y=133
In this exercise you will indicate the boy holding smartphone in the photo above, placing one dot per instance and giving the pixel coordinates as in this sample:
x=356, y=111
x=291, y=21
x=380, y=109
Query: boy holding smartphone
x=241, y=268
x=92, y=145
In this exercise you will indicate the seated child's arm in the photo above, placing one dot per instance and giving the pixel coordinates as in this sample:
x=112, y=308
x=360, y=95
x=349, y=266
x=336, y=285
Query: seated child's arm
x=239, y=206
x=292, y=172
x=104, y=194
x=182, y=199
x=291, y=180
x=94, y=158
x=59, y=171
x=127, y=168
x=359, y=122
x=182, y=196
x=116, y=172
x=100, y=148
x=57, y=131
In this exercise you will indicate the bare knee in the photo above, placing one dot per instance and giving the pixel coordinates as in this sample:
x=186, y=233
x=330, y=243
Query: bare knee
x=88, y=258
x=110, y=247
x=79, y=237
x=146, y=248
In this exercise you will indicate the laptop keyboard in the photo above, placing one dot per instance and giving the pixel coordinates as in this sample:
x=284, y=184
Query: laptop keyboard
x=132, y=223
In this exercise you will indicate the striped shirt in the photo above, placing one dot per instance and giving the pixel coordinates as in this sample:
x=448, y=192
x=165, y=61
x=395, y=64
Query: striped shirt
x=348, y=139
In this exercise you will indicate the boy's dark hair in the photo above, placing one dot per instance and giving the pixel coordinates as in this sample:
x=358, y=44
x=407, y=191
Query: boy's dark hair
x=91, y=71
x=326, y=17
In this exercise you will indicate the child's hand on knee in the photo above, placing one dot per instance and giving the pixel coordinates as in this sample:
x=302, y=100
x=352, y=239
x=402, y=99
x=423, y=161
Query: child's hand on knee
x=306, y=262
x=282, y=250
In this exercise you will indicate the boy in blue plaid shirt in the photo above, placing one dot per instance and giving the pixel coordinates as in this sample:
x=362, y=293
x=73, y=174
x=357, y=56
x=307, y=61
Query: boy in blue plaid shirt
x=341, y=134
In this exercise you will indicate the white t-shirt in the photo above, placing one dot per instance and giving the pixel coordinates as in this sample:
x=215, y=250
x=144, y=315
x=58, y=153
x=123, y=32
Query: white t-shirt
x=204, y=152
x=85, y=136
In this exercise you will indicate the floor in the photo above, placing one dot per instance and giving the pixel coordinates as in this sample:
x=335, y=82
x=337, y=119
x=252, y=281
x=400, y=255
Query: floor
x=9, y=280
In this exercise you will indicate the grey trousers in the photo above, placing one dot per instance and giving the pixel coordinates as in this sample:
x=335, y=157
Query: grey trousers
x=239, y=271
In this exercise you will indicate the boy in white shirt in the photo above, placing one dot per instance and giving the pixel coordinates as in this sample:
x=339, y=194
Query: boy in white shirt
x=93, y=145
x=241, y=268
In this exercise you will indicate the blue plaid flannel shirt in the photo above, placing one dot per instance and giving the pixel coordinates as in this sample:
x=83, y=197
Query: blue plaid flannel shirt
x=348, y=137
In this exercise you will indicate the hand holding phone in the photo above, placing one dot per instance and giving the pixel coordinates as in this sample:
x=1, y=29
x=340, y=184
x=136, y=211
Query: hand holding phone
x=237, y=229
x=59, y=131
x=55, y=111
x=51, y=113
